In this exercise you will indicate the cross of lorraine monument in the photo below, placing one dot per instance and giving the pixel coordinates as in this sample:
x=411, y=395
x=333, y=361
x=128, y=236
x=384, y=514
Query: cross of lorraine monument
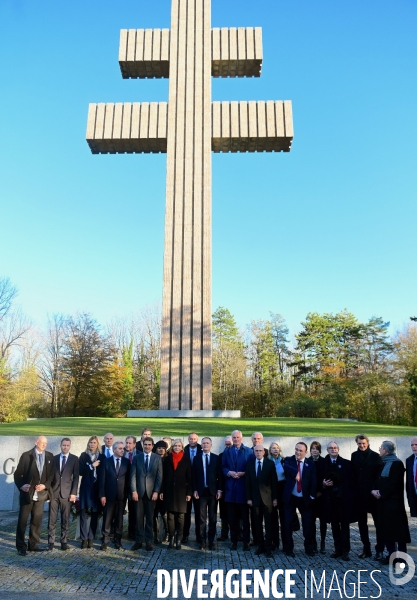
x=188, y=129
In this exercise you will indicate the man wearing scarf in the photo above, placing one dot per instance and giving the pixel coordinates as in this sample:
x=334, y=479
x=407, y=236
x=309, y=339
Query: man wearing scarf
x=33, y=477
x=392, y=522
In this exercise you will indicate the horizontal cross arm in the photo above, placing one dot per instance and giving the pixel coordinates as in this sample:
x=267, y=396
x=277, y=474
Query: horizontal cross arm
x=236, y=127
x=252, y=126
x=127, y=127
x=236, y=52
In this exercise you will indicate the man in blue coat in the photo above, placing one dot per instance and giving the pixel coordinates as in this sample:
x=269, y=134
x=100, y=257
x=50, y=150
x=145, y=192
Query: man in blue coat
x=234, y=463
x=299, y=492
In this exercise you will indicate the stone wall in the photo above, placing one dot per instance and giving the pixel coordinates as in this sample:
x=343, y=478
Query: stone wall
x=12, y=447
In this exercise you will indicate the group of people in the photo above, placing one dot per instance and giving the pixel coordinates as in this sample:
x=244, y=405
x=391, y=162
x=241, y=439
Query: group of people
x=257, y=490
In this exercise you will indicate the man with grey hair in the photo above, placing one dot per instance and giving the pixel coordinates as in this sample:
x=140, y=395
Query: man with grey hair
x=228, y=443
x=411, y=478
x=366, y=466
x=107, y=447
x=392, y=522
x=33, y=478
x=337, y=490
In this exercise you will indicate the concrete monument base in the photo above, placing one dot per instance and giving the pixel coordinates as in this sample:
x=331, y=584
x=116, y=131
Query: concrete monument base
x=178, y=414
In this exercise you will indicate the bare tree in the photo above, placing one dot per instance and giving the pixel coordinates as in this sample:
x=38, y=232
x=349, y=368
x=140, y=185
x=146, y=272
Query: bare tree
x=8, y=293
x=50, y=367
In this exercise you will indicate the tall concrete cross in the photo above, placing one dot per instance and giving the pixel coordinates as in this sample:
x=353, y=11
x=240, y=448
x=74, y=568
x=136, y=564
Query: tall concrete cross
x=188, y=129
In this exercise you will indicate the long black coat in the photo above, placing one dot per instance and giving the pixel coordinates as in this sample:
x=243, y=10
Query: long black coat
x=410, y=487
x=262, y=489
x=392, y=522
x=89, y=497
x=341, y=474
x=318, y=512
x=176, y=485
x=366, y=467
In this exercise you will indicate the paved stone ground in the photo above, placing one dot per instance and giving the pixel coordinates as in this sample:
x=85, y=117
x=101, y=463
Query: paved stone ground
x=89, y=573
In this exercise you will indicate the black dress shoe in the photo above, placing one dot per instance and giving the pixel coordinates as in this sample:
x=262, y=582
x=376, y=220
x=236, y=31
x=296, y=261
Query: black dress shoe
x=91, y=543
x=149, y=547
x=222, y=538
x=104, y=547
x=268, y=554
x=259, y=551
x=233, y=546
x=184, y=539
x=311, y=553
x=84, y=544
x=64, y=547
x=289, y=553
x=345, y=556
x=336, y=555
x=178, y=545
x=118, y=545
x=246, y=548
x=51, y=546
x=365, y=554
x=203, y=546
x=211, y=546
x=136, y=546
x=22, y=552
x=322, y=548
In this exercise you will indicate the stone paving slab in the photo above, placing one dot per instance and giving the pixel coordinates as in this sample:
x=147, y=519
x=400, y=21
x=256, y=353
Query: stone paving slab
x=89, y=573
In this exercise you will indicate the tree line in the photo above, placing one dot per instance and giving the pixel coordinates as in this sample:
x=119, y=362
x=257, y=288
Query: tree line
x=335, y=366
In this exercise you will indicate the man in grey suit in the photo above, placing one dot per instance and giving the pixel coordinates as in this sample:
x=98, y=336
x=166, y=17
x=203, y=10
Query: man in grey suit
x=64, y=492
x=145, y=485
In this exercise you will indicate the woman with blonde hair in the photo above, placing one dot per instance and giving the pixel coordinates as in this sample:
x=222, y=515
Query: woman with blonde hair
x=177, y=489
x=90, y=462
x=275, y=454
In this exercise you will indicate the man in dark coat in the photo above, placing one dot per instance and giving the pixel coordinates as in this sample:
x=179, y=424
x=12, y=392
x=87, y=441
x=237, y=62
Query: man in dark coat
x=130, y=453
x=337, y=490
x=107, y=447
x=206, y=476
x=224, y=519
x=64, y=491
x=261, y=484
x=299, y=492
x=191, y=450
x=33, y=478
x=411, y=481
x=113, y=485
x=392, y=522
x=366, y=466
x=145, y=485
x=146, y=432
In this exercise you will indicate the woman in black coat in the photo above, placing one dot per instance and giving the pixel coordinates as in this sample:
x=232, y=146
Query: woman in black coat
x=160, y=448
x=90, y=462
x=392, y=522
x=177, y=487
x=318, y=509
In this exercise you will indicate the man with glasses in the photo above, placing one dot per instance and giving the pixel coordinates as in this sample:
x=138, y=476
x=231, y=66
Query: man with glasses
x=337, y=489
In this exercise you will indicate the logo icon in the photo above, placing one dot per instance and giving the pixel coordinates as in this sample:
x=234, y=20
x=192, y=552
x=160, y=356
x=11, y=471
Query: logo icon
x=398, y=561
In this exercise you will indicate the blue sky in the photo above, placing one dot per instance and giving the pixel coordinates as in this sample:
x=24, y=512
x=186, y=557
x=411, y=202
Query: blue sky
x=332, y=224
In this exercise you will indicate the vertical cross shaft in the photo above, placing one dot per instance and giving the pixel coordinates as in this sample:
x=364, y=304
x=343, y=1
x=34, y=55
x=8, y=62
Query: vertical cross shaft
x=186, y=318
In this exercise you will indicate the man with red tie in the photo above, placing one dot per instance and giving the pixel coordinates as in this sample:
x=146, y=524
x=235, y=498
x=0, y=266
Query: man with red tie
x=299, y=492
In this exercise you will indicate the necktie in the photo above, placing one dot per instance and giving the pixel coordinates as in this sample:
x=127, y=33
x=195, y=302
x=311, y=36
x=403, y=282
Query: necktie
x=192, y=455
x=146, y=463
x=258, y=472
x=299, y=488
x=107, y=453
x=64, y=462
x=205, y=471
x=131, y=457
x=415, y=476
x=117, y=465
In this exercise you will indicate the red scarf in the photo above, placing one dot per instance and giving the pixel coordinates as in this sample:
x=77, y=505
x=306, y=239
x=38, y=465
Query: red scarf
x=176, y=457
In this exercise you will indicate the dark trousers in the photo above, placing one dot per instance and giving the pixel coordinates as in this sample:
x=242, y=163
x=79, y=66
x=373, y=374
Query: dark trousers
x=208, y=508
x=35, y=510
x=131, y=518
x=392, y=547
x=187, y=518
x=290, y=514
x=260, y=514
x=364, y=532
x=238, y=511
x=113, y=516
x=144, y=519
x=278, y=517
x=62, y=505
x=90, y=533
x=175, y=524
x=340, y=526
x=224, y=518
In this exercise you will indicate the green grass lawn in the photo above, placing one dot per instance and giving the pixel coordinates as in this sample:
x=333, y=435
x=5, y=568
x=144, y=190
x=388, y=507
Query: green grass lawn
x=215, y=427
